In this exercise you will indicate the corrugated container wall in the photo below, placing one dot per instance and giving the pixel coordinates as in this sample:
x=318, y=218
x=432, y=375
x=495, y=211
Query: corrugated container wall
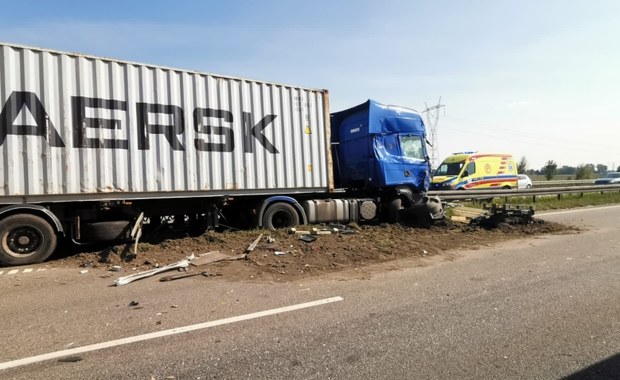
x=73, y=124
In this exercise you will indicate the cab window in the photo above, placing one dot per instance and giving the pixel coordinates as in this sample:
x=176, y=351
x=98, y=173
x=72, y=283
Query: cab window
x=412, y=147
x=453, y=168
x=470, y=169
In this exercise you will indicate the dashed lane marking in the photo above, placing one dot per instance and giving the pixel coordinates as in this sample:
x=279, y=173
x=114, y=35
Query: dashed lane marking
x=26, y=270
x=160, y=334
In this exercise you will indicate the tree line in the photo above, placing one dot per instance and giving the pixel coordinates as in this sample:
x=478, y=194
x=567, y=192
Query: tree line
x=551, y=169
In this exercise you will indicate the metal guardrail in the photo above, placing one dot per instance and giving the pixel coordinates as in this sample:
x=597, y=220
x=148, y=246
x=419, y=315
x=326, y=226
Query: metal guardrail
x=567, y=182
x=533, y=192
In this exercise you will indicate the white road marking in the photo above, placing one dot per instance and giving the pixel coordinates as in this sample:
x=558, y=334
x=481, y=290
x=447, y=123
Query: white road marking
x=27, y=270
x=160, y=334
x=575, y=210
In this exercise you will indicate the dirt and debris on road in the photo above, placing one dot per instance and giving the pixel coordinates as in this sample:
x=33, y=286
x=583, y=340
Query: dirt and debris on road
x=296, y=258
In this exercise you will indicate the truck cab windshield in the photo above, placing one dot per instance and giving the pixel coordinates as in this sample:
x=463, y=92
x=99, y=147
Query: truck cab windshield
x=412, y=147
x=449, y=169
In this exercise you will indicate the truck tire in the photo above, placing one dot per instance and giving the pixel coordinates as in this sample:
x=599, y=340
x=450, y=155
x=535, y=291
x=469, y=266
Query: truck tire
x=25, y=239
x=280, y=215
x=393, y=211
x=104, y=231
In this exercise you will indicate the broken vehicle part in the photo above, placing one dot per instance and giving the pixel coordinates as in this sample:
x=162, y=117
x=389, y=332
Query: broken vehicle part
x=184, y=275
x=506, y=213
x=298, y=232
x=209, y=257
x=307, y=238
x=138, y=276
x=254, y=244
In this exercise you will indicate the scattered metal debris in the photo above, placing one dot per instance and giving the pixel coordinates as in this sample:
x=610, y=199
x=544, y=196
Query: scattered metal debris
x=116, y=268
x=324, y=231
x=308, y=238
x=138, y=276
x=463, y=214
x=496, y=214
x=184, y=275
x=216, y=256
x=136, y=233
x=345, y=229
x=134, y=303
x=251, y=247
x=510, y=210
x=279, y=253
x=70, y=359
x=209, y=257
x=298, y=232
x=493, y=214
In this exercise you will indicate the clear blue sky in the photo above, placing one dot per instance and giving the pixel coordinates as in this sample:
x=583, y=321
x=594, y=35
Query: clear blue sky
x=539, y=79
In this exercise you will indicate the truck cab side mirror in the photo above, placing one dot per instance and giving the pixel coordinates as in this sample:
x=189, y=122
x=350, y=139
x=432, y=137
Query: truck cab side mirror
x=465, y=174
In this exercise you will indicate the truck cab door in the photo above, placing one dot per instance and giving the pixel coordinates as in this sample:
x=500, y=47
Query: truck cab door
x=387, y=151
x=415, y=161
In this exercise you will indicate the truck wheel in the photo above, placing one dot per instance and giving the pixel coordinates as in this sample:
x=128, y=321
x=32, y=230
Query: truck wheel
x=393, y=212
x=104, y=231
x=280, y=215
x=25, y=239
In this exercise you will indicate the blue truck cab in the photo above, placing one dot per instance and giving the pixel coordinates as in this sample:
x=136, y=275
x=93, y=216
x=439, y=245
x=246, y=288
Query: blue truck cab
x=380, y=146
x=381, y=149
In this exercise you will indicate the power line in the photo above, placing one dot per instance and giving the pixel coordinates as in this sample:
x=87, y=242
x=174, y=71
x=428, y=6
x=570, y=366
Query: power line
x=507, y=134
x=537, y=136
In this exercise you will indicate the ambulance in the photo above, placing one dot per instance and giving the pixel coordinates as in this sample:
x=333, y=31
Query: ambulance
x=472, y=170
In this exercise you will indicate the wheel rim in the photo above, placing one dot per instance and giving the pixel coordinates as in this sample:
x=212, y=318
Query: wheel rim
x=23, y=241
x=282, y=219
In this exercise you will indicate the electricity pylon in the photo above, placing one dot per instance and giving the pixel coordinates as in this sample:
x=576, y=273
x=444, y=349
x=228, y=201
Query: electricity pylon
x=432, y=120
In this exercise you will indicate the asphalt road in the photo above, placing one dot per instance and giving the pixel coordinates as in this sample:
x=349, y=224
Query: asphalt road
x=538, y=308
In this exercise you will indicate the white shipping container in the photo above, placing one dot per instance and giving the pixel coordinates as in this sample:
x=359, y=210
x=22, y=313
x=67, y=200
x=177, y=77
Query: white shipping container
x=81, y=127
